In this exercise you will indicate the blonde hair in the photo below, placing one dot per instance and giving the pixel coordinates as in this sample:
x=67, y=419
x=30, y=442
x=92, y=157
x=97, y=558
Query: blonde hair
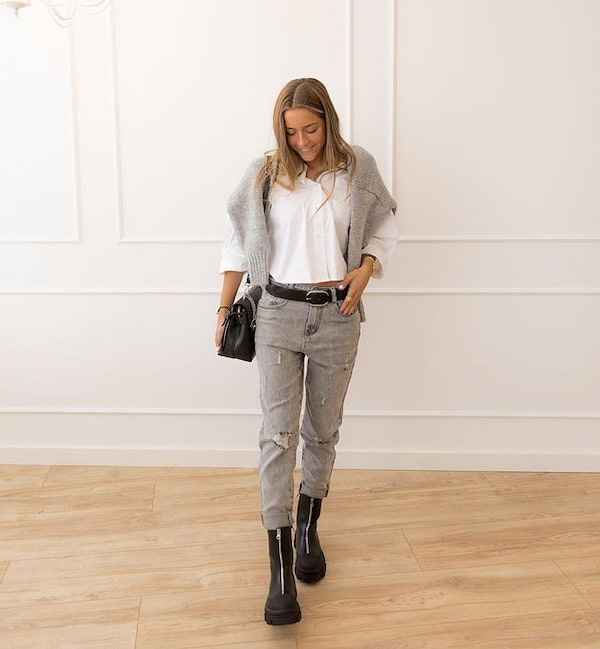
x=283, y=165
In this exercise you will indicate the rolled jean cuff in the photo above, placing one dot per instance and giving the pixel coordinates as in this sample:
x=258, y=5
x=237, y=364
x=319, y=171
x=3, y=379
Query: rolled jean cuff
x=313, y=493
x=276, y=521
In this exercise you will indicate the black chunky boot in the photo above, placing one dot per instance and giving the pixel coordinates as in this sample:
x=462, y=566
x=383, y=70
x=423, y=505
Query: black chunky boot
x=310, y=560
x=281, y=606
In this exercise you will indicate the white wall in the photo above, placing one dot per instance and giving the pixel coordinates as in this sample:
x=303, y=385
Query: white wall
x=122, y=138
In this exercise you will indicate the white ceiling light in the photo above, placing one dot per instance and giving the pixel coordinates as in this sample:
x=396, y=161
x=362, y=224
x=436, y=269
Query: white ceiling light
x=62, y=11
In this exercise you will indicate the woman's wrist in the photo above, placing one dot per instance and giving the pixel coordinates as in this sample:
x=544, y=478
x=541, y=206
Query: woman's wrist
x=369, y=261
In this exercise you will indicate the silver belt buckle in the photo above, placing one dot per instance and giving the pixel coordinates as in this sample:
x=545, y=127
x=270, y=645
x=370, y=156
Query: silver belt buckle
x=318, y=297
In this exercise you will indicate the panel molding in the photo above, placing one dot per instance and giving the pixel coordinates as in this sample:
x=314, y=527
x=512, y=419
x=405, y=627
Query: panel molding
x=403, y=239
x=349, y=27
x=421, y=238
x=35, y=242
x=559, y=291
x=126, y=239
x=76, y=163
x=255, y=412
x=393, y=94
x=345, y=459
x=117, y=124
x=76, y=138
x=196, y=240
x=108, y=291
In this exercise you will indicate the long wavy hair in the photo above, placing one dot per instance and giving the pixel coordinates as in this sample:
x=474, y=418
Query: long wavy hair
x=283, y=165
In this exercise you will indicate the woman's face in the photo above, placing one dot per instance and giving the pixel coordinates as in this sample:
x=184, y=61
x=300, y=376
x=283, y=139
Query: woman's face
x=305, y=132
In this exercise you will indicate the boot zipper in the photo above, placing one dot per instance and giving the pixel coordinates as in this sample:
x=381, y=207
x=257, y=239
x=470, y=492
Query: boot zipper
x=310, y=511
x=282, y=578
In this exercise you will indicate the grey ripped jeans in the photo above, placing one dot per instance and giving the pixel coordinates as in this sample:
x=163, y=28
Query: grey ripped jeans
x=287, y=333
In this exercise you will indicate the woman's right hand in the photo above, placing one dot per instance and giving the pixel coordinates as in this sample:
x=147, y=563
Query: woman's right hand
x=219, y=332
x=231, y=284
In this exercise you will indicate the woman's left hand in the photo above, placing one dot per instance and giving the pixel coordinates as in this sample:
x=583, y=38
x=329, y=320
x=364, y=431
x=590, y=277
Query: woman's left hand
x=356, y=281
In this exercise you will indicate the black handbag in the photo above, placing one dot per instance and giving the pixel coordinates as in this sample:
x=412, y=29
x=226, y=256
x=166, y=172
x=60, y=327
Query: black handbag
x=239, y=326
x=240, y=323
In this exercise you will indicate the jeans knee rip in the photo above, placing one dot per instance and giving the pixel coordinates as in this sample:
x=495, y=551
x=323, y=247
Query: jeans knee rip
x=282, y=440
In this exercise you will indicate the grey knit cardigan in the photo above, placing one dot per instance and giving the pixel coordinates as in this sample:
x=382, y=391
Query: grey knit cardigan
x=370, y=200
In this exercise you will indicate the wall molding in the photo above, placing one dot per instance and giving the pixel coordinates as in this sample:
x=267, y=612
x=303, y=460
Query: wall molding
x=373, y=292
x=487, y=291
x=76, y=138
x=393, y=94
x=403, y=239
x=422, y=238
x=349, y=27
x=76, y=164
x=36, y=242
x=115, y=89
x=418, y=238
x=198, y=240
x=126, y=239
x=255, y=412
x=345, y=459
x=108, y=291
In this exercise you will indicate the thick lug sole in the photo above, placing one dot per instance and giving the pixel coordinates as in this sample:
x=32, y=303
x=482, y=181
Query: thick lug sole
x=279, y=618
x=310, y=576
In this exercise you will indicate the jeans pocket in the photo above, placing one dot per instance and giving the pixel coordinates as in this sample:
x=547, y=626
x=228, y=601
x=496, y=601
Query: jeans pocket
x=338, y=305
x=268, y=301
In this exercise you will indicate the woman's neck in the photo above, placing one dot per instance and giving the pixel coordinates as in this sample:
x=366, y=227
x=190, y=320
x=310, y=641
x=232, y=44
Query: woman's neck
x=315, y=169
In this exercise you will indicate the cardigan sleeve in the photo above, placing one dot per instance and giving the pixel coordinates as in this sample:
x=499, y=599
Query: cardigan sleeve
x=374, y=229
x=246, y=212
x=232, y=254
x=382, y=243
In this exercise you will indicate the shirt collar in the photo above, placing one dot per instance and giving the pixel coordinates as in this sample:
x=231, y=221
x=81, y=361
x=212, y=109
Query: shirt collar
x=302, y=179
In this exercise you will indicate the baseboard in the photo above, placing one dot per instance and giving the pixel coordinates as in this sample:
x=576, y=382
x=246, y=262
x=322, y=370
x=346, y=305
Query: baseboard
x=380, y=440
x=346, y=459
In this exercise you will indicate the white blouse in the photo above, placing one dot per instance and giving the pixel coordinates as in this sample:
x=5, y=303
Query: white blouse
x=308, y=238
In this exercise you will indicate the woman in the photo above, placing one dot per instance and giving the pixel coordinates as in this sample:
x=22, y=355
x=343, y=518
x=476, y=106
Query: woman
x=327, y=228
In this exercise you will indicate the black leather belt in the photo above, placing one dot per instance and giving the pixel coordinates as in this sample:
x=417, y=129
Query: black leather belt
x=317, y=296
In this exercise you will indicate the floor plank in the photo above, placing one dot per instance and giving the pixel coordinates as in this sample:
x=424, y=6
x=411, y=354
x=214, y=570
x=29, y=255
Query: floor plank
x=576, y=630
x=72, y=475
x=358, y=605
x=586, y=482
x=114, y=575
x=442, y=596
x=92, y=533
x=455, y=506
x=263, y=644
x=585, y=576
x=93, y=625
x=402, y=482
x=480, y=544
x=21, y=477
x=55, y=502
x=219, y=489
x=217, y=617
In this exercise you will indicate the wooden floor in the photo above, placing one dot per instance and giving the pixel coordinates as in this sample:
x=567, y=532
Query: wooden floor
x=148, y=558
